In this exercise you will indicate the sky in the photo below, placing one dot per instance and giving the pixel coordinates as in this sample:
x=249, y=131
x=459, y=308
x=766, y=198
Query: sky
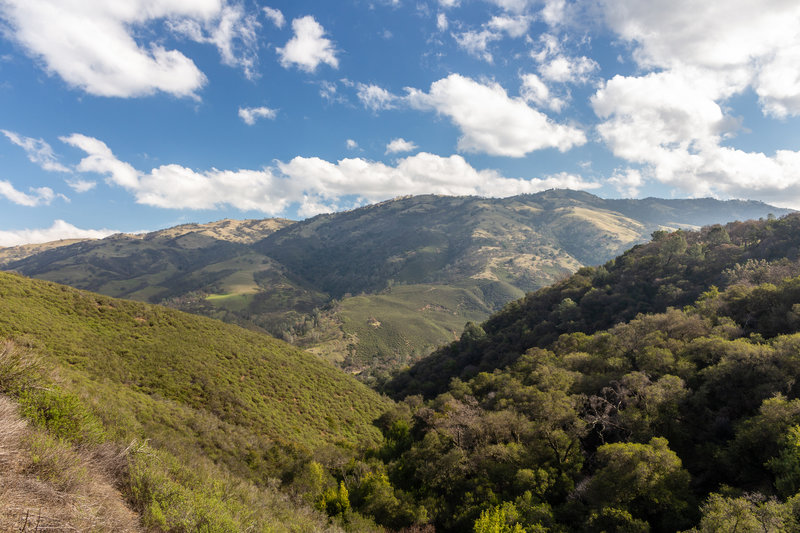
x=138, y=115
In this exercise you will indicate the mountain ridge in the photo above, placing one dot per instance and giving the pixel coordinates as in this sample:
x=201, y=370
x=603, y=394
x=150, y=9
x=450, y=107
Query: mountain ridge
x=298, y=280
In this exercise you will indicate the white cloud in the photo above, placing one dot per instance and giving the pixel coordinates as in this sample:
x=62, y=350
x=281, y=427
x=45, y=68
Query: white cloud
x=515, y=6
x=376, y=98
x=38, y=151
x=673, y=120
x=79, y=185
x=671, y=123
x=554, y=12
x=313, y=183
x=749, y=43
x=90, y=44
x=250, y=114
x=627, y=181
x=449, y=3
x=565, y=69
x=58, y=231
x=399, y=145
x=309, y=47
x=513, y=26
x=351, y=144
x=38, y=196
x=492, y=122
x=233, y=32
x=441, y=22
x=476, y=43
x=102, y=161
x=534, y=90
x=276, y=16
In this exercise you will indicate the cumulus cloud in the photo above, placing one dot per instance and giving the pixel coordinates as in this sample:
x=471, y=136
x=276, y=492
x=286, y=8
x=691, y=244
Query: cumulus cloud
x=90, y=44
x=399, y=145
x=233, y=32
x=38, y=196
x=312, y=183
x=441, y=22
x=671, y=122
x=750, y=43
x=515, y=6
x=513, y=26
x=58, y=231
x=250, y=114
x=79, y=185
x=38, y=151
x=627, y=181
x=376, y=98
x=477, y=42
x=276, y=16
x=351, y=144
x=534, y=90
x=309, y=47
x=492, y=122
x=565, y=69
x=674, y=120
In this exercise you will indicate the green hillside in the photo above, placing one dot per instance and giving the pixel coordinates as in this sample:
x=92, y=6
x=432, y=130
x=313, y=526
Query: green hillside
x=672, y=270
x=317, y=283
x=240, y=407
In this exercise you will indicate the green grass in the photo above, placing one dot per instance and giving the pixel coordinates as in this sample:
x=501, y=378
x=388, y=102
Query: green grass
x=208, y=416
x=238, y=376
x=409, y=321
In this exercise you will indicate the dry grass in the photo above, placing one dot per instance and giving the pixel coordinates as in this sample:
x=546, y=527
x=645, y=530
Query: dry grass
x=46, y=485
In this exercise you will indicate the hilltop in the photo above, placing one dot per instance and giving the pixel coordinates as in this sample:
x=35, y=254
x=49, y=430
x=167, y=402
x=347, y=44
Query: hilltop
x=377, y=287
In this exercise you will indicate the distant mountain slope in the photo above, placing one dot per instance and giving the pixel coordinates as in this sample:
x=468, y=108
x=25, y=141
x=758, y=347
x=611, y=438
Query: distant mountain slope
x=479, y=253
x=671, y=271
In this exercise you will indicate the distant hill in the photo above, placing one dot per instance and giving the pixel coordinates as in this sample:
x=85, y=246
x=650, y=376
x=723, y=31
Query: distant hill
x=377, y=287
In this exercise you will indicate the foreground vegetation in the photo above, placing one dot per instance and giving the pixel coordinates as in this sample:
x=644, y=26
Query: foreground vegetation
x=209, y=424
x=672, y=419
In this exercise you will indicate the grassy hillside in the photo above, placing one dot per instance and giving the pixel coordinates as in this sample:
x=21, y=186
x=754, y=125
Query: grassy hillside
x=240, y=407
x=272, y=275
x=239, y=376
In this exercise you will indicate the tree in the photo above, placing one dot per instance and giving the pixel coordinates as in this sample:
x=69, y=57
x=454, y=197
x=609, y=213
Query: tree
x=648, y=480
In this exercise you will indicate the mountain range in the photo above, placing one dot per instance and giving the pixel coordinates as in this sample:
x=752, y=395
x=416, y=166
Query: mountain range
x=375, y=288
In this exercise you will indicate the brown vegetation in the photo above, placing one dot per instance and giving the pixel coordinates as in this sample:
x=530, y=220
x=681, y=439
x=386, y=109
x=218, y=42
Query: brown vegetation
x=47, y=485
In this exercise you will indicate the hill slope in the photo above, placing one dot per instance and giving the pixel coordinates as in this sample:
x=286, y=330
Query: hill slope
x=241, y=377
x=477, y=253
x=658, y=393
x=672, y=270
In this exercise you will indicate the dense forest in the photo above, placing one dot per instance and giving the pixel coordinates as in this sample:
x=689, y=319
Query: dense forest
x=658, y=392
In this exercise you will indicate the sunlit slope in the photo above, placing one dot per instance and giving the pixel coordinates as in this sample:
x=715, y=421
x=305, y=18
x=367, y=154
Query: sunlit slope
x=243, y=378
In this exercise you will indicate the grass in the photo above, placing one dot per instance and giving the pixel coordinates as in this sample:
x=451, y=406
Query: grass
x=409, y=321
x=201, y=416
x=240, y=376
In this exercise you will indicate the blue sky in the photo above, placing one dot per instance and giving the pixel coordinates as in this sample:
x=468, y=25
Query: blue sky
x=143, y=114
